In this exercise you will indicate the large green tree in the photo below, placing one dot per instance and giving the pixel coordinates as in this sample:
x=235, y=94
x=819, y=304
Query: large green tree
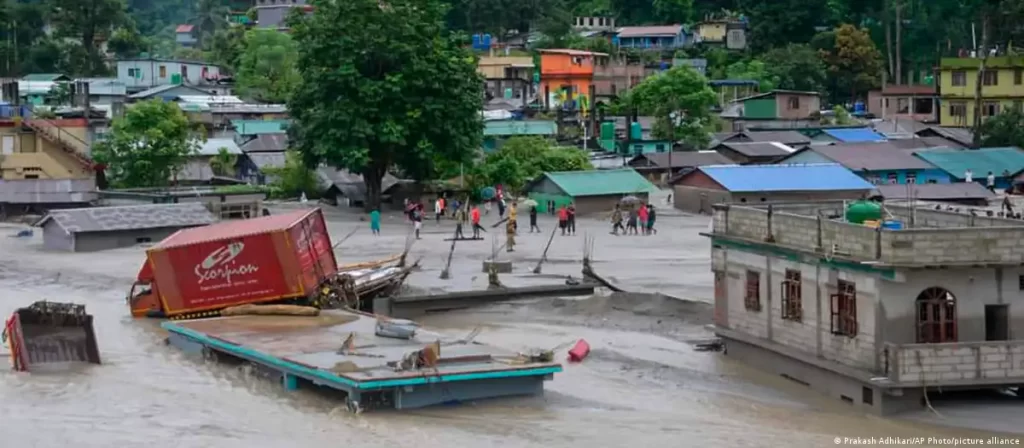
x=853, y=61
x=1005, y=129
x=267, y=66
x=147, y=146
x=796, y=67
x=681, y=100
x=383, y=85
x=522, y=159
x=87, y=21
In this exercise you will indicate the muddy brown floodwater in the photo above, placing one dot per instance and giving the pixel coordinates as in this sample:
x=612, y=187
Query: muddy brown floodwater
x=643, y=384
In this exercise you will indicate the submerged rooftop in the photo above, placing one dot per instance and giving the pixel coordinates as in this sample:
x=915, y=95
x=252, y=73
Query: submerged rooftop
x=928, y=238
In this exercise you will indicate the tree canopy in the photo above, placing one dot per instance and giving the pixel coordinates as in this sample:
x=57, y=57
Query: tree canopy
x=148, y=146
x=522, y=159
x=681, y=101
x=382, y=86
x=266, y=66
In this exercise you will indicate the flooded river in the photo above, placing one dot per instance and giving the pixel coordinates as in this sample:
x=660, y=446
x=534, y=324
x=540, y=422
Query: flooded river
x=643, y=385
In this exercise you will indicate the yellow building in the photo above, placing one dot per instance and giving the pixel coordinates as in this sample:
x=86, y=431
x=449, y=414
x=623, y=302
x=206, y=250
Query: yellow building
x=1002, y=88
x=44, y=149
x=497, y=67
x=713, y=30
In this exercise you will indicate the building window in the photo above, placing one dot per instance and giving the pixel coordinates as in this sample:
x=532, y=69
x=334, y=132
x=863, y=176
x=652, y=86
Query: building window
x=752, y=297
x=923, y=106
x=893, y=178
x=911, y=178
x=31, y=176
x=1020, y=282
x=163, y=71
x=958, y=109
x=131, y=72
x=792, y=296
x=990, y=109
x=958, y=78
x=902, y=105
x=1017, y=105
x=936, y=316
x=875, y=180
x=990, y=78
x=659, y=147
x=1018, y=76
x=794, y=102
x=844, y=309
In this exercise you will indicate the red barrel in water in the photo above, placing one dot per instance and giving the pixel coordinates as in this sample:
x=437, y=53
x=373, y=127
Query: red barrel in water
x=579, y=351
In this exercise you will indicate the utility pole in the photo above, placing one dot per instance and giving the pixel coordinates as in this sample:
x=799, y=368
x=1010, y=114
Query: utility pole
x=979, y=81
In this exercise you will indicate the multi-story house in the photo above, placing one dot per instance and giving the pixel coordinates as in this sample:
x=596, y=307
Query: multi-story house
x=666, y=37
x=145, y=73
x=43, y=163
x=567, y=74
x=185, y=35
x=876, y=315
x=1002, y=88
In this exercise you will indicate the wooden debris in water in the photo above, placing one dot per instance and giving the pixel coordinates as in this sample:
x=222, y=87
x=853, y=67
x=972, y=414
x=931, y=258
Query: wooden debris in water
x=270, y=310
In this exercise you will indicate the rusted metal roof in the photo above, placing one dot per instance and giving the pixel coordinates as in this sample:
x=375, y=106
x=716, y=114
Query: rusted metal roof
x=130, y=217
x=644, y=31
x=870, y=156
x=679, y=159
x=759, y=149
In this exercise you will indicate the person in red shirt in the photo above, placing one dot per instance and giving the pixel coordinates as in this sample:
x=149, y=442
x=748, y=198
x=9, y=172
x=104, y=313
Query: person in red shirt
x=642, y=213
x=474, y=215
x=563, y=219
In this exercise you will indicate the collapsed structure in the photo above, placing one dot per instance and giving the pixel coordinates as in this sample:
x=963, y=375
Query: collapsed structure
x=877, y=316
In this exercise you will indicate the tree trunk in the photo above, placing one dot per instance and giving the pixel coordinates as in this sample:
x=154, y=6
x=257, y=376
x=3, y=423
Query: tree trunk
x=886, y=22
x=976, y=125
x=372, y=177
x=899, y=43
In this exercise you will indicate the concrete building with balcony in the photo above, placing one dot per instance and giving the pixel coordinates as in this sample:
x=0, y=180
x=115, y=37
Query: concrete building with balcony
x=665, y=37
x=1002, y=88
x=44, y=164
x=874, y=317
x=567, y=74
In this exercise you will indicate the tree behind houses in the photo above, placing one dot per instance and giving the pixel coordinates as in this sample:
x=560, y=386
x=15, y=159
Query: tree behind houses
x=384, y=86
x=148, y=146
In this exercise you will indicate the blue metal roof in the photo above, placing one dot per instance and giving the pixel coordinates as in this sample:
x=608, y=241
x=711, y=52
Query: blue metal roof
x=855, y=135
x=790, y=177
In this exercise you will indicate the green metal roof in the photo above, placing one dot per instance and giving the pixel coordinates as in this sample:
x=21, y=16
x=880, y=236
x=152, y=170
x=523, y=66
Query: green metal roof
x=511, y=128
x=980, y=161
x=600, y=182
x=44, y=77
x=257, y=127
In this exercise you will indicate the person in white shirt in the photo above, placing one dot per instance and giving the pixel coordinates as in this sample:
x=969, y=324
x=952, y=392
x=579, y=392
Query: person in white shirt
x=438, y=208
x=991, y=182
x=968, y=176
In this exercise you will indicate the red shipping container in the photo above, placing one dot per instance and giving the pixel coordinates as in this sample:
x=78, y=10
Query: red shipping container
x=231, y=263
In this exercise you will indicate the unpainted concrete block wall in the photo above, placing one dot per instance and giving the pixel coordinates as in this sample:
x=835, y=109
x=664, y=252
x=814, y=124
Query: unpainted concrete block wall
x=938, y=363
x=813, y=334
x=859, y=351
x=936, y=246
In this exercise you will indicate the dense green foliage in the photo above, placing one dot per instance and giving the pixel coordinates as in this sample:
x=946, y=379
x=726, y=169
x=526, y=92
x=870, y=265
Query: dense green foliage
x=521, y=159
x=293, y=179
x=383, y=86
x=147, y=146
x=1005, y=129
x=681, y=101
x=266, y=66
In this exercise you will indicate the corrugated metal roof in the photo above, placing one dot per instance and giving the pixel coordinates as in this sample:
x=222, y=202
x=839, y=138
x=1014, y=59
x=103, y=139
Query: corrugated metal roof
x=795, y=177
x=233, y=229
x=45, y=77
x=872, y=156
x=184, y=29
x=132, y=217
x=266, y=142
x=211, y=99
x=760, y=149
x=212, y=146
x=679, y=159
x=785, y=137
x=256, y=127
x=164, y=88
x=956, y=162
x=267, y=159
x=645, y=31
x=962, y=136
x=936, y=192
x=600, y=182
x=509, y=128
x=858, y=135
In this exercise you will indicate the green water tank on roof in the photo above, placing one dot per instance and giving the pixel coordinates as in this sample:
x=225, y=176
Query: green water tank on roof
x=636, y=132
x=860, y=211
x=608, y=130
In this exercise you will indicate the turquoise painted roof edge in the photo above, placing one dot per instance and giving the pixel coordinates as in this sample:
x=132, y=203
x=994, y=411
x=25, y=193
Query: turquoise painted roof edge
x=325, y=376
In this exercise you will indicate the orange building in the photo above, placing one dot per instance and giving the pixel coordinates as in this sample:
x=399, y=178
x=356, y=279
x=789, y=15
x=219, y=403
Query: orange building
x=567, y=73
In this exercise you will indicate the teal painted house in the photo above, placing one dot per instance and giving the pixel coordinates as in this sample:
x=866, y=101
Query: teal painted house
x=638, y=147
x=1004, y=163
x=496, y=131
x=877, y=163
x=259, y=127
x=777, y=105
